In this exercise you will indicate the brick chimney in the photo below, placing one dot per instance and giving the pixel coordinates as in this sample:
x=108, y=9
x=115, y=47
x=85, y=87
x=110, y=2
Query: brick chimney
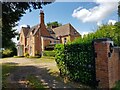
x=41, y=17
x=43, y=29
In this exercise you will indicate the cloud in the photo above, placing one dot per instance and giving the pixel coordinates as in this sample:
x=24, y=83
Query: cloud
x=99, y=23
x=97, y=13
x=112, y=22
x=84, y=33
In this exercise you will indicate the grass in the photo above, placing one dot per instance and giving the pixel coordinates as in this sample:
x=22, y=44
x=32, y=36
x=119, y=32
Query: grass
x=34, y=82
x=44, y=59
x=18, y=56
x=6, y=70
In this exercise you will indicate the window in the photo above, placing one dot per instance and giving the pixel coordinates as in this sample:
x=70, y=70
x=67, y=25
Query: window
x=65, y=40
x=54, y=42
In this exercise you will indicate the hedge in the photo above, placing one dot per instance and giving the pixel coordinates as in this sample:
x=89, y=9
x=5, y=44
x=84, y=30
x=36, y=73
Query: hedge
x=76, y=61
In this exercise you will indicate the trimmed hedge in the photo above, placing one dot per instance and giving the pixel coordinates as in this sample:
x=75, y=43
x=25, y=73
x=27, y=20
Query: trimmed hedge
x=49, y=53
x=76, y=61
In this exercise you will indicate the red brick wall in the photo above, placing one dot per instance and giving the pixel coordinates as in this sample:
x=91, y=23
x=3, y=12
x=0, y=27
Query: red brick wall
x=119, y=64
x=102, y=64
x=113, y=67
x=107, y=67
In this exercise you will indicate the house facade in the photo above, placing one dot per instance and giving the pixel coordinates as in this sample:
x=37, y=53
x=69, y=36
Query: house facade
x=34, y=40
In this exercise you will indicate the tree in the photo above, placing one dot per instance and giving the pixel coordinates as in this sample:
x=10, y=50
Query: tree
x=104, y=31
x=54, y=24
x=11, y=14
x=117, y=33
x=119, y=9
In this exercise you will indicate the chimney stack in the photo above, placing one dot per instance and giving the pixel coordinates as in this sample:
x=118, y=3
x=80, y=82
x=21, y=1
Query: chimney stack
x=41, y=17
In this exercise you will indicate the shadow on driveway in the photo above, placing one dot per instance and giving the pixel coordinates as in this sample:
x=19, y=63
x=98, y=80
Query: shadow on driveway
x=42, y=73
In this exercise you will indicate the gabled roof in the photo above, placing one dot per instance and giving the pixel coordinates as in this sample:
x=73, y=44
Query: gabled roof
x=50, y=31
x=25, y=31
x=66, y=29
x=32, y=29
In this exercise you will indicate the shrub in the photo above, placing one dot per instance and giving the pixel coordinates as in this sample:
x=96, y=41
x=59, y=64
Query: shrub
x=59, y=58
x=49, y=53
x=7, y=53
x=76, y=62
x=26, y=54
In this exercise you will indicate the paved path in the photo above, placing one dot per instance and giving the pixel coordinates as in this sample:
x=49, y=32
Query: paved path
x=30, y=67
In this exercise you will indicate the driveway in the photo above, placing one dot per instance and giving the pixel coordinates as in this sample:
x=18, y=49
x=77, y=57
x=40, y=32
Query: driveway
x=40, y=68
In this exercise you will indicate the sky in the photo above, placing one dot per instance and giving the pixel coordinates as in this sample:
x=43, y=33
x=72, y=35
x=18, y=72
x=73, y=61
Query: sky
x=85, y=17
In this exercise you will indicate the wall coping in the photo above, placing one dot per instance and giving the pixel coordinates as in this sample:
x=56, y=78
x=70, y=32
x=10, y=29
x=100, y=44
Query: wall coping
x=102, y=39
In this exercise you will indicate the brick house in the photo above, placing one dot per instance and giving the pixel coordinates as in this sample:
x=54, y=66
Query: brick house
x=34, y=40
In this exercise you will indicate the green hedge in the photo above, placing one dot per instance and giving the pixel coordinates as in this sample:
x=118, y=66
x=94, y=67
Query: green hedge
x=49, y=53
x=76, y=61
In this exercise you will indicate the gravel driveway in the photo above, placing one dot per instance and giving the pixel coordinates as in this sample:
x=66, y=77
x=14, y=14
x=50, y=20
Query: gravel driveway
x=39, y=69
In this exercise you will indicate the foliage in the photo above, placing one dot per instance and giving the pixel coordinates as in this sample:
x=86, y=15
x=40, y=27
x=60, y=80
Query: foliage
x=26, y=54
x=117, y=86
x=54, y=24
x=117, y=33
x=76, y=62
x=49, y=53
x=104, y=31
x=59, y=58
x=9, y=52
x=119, y=9
x=11, y=14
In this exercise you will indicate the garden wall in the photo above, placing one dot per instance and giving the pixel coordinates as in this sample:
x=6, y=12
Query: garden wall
x=107, y=63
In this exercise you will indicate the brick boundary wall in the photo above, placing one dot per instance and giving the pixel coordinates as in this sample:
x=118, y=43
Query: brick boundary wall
x=107, y=63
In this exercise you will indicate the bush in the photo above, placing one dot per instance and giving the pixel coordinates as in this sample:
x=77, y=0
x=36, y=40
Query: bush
x=59, y=58
x=76, y=61
x=7, y=53
x=26, y=54
x=49, y=53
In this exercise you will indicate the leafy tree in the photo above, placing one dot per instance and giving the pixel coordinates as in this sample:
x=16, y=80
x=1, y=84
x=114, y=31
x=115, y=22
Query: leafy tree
x=104, y=31
x=54, y=24
x=11, y=14
x=119, y=9
x=117, y=33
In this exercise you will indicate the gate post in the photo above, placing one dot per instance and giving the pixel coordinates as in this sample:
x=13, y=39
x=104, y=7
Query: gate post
x=103, y=51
